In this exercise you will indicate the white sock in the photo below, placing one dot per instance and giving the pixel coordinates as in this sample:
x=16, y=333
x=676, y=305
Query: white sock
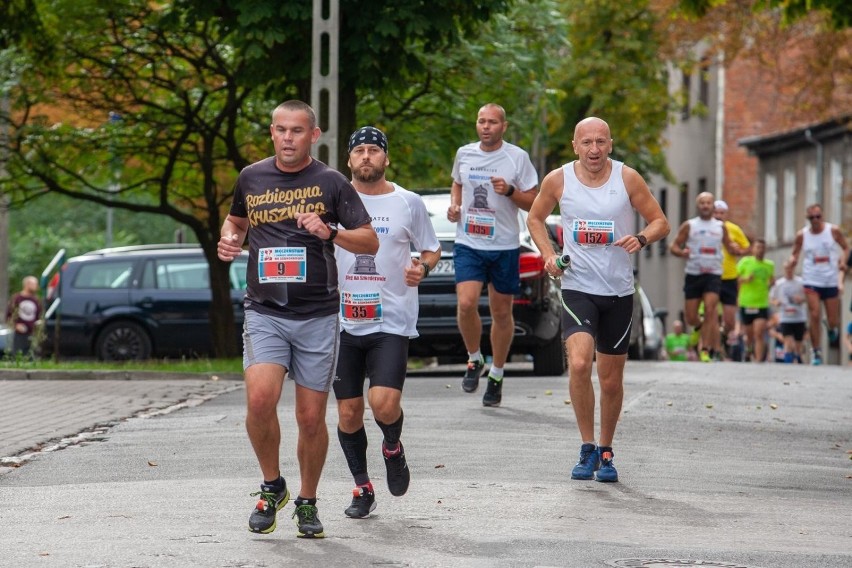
x=475, y=356
x=495, y=372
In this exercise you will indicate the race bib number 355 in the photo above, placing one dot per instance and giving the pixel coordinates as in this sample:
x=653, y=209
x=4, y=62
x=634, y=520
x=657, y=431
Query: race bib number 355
x=281, y=264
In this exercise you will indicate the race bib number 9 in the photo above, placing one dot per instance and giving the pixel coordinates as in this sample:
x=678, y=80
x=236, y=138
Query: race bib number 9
x=480, y=224
x=361, y=307
x=281, y=264
x=593, y=233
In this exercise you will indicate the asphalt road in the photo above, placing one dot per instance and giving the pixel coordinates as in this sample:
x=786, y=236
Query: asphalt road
x=721, y=464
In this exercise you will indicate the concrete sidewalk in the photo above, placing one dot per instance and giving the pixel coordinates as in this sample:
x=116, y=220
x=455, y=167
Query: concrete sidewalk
x=721, y=465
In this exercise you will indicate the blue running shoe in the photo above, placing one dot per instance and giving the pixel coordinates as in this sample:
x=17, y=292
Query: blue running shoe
x=607, y=471
x=590, y=461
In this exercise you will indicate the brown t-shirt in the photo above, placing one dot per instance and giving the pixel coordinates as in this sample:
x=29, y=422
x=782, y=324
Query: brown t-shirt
x=292, y=273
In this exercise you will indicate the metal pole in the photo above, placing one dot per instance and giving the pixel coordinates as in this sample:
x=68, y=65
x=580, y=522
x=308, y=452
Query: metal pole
x=4, y=207
x=324, y=86
x=115, y=173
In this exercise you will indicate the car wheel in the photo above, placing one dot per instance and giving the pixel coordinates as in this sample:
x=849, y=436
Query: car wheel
x=123, y=341
x=549, y=360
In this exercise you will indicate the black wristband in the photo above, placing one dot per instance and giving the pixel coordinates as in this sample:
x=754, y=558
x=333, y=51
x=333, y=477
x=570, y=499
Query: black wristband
x=426, y=269
x=642, y=240
x=511, y=191
x=332, y=235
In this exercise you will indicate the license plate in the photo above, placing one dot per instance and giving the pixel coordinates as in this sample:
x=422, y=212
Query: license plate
x=444, y=266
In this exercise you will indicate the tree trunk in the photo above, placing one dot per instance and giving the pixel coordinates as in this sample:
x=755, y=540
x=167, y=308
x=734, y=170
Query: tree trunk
x=223, y=329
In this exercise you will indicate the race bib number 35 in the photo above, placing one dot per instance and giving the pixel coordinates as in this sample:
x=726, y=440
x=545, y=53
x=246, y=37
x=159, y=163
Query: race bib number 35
x=361, y=307
x=593, y=233
x=281, y=264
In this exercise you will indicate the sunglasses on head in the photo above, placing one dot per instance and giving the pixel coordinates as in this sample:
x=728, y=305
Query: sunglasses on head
x=817, y=216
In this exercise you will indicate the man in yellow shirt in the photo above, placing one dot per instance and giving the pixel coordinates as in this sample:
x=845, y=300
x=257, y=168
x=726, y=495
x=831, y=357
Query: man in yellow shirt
x=729, y=291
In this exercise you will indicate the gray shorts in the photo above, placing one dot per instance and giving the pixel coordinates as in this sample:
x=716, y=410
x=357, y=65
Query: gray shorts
x=307, y=348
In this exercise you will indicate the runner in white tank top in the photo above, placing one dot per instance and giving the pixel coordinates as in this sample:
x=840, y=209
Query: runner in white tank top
x=700, y=240
x=597, y=197
x=824, y=248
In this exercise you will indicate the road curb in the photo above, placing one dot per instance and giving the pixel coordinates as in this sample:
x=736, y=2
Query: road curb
x=62, y=374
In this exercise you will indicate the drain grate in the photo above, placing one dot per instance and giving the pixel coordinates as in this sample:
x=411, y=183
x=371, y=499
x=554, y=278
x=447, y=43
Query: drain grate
x=670, y=563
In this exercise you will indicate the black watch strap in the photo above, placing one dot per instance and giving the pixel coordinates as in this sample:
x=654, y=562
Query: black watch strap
x=332, y=235
x=426, y=269
x=642, y=240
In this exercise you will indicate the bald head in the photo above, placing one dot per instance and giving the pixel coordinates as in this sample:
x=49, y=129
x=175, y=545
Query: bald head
x=591, y=123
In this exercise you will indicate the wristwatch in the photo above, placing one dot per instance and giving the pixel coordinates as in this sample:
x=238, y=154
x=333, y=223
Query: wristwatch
x=642, y=240
x=426, y=269
x=332, y=235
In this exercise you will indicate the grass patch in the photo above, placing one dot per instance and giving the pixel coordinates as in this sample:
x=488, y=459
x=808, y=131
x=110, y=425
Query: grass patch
x=234, y=365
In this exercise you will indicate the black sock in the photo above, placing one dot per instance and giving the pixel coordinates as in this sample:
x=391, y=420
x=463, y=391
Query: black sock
x=302, y=501
x=354, y=447
x=279, y=483
x=392, y=432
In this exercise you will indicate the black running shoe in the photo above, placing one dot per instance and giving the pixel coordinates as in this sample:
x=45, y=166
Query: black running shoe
x=493, y=393
x=262, y=519
x=398, y=475
x=363, y=503
x=307, y=520
x=470, y=382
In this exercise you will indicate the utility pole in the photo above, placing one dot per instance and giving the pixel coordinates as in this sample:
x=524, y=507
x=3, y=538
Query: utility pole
x=115, y=174
x=324, y=77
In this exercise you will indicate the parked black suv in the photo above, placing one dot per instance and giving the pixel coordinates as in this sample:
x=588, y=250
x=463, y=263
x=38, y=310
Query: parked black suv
x=138, y=302
x=537, y=309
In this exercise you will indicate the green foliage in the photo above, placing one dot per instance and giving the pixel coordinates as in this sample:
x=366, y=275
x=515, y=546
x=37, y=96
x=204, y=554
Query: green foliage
x=839, y=11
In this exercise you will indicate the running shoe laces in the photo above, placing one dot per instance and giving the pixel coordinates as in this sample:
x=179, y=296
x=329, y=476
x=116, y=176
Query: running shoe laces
x=307, y=521
x=470, y=382
x=262, y=518
x=363, y=503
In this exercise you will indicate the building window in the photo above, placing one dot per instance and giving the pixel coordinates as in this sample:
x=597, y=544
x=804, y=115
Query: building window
x=684, y=202
x=835, y=183
x=770, y=210
x=662, y=247
x=810, y=185
x=789, y=205
x=686, y=88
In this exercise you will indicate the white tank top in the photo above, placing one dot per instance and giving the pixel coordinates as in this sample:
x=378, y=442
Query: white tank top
x=592, y=219
x=821, y=256
x=705, y=246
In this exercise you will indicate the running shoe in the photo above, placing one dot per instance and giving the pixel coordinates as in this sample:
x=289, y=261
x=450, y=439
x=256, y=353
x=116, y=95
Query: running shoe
x=398, y=475
x=816, y=358
x=607, y=471
x=363, y=503
x=705, y=356
x=307, y=520
x=262, y=519
x=589, y=462
x=493, y=393
x=470, y=382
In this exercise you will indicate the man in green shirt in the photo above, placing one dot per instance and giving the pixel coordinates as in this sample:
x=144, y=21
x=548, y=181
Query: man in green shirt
x=677, y=343
x=756, y=276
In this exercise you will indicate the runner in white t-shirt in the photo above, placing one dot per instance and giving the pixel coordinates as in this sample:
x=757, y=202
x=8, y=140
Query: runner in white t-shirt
x=378, y=313
x=824, y=249
x=491, y=180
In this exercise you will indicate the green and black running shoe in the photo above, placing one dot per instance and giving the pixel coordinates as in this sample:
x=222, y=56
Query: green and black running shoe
x=307, y=520
x=262, y=519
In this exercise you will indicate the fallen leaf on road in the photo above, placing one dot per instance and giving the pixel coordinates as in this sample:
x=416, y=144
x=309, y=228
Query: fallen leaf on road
x=214, y=378
x=773, y=406
x=448, y=386
x=669, y=403
x=708, y=406
x=65, y=517
x=152, y=463
x=439, y=466
x=548, y=392
x=567, y=401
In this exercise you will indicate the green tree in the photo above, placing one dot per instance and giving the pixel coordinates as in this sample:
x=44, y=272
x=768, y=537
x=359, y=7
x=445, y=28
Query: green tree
x=839, y=11
x=191, y=85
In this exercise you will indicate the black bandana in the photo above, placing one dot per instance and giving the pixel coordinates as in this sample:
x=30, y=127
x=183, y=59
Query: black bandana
x=368, y=135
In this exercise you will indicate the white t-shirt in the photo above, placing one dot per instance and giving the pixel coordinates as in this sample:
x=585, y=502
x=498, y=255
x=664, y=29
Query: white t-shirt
x=489, y=221
x=373, y=294
x=789, y=311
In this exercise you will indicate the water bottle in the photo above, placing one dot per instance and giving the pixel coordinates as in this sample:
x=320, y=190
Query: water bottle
x=563, y=262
